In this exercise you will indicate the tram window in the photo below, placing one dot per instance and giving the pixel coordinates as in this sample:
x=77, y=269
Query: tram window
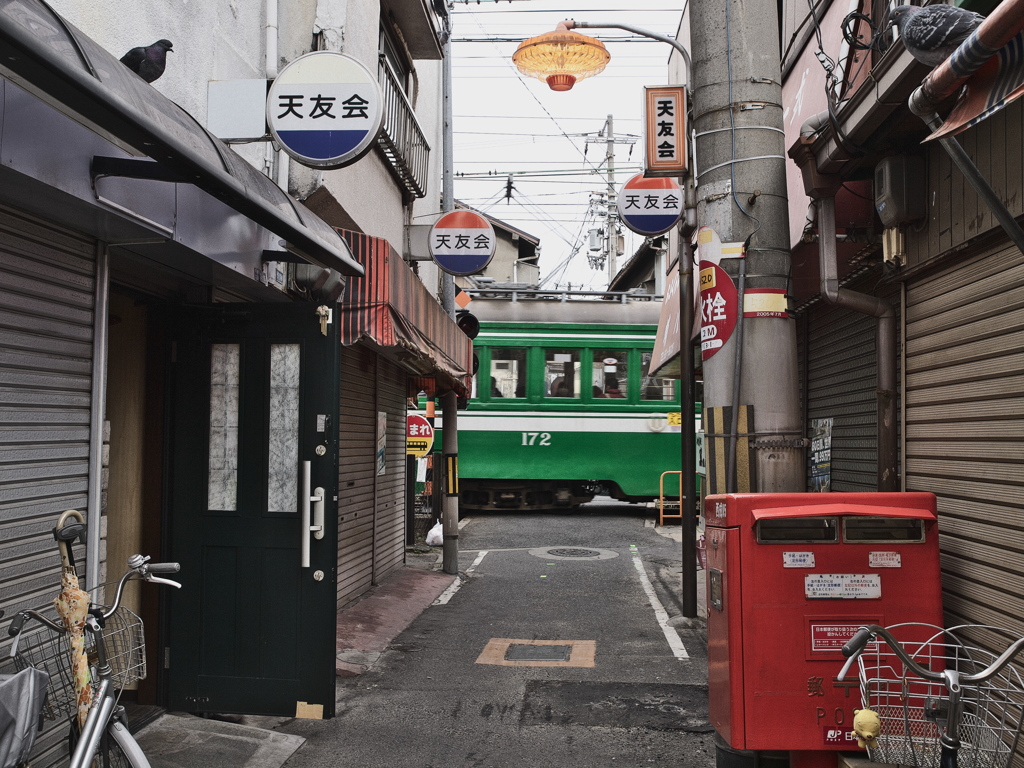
x=562, y=372
x=652, y=388
x=610, y=372
x=508, y=373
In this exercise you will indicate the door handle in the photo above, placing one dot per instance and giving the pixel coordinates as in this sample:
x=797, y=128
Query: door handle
x=317, y=501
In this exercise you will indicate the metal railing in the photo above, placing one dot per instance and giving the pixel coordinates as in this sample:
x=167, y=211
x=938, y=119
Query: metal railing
x=402, y=140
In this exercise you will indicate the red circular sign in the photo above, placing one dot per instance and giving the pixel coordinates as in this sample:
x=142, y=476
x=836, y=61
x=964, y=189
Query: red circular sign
x=718, y=304
x=419, y=436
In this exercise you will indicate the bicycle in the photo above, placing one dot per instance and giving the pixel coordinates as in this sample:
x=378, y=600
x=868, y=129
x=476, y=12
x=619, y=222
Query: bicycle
x=115, y=649
x=945, y=703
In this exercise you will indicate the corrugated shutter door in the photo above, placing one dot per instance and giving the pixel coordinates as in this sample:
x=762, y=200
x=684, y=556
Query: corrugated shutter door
x=46, y=341
x=371, y=507
x=390, y=539
x=840, y=384
x=965, y=429
x=357, y=471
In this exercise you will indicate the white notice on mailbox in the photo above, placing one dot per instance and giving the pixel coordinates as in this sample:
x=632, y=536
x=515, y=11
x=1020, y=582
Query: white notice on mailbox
x=842, y=586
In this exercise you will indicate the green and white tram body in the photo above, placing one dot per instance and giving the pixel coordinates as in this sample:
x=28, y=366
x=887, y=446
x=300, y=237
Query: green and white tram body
x=562, y=407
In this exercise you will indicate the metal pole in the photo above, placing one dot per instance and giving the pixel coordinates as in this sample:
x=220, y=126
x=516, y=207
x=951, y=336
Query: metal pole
x=449, y=401
x=97, y=417
x=688, y=428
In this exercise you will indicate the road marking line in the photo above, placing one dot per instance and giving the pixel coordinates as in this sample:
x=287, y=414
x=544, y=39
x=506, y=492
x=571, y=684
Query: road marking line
x=674, y=642
x=456, y=585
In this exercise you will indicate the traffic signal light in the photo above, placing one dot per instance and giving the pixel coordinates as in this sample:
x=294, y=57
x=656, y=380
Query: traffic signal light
x=468, y=323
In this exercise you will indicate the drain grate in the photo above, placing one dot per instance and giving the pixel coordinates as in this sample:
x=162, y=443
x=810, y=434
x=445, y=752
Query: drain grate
x=569, y=552
x=521, y=652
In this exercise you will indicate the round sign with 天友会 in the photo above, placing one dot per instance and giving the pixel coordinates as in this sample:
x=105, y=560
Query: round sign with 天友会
x=650, y=206
x=325, y=109
x=462, y=242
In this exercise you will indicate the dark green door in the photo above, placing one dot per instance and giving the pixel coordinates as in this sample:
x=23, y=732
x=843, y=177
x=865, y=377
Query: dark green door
x=254, y=411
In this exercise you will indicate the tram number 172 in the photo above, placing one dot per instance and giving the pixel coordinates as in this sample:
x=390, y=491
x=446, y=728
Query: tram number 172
x=536, y=438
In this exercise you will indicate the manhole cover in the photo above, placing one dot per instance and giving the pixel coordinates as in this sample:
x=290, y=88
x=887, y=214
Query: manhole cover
x=522, y=652
x=572, y=553
x=567, y=552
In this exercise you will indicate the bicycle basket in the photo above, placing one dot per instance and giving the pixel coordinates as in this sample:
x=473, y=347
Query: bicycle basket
x=45, y=649
x=125, y=644
x=912, y=710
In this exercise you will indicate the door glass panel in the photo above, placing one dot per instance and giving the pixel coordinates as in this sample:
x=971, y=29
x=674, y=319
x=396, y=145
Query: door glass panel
x=222, y=486
x=611, y=373
x=283, y=469
x=562, y=372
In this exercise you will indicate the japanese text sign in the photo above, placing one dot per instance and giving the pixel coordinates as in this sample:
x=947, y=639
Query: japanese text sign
x=650, y=206
x=665, y=131
x=462, y=242
x=325, y=109
x=718, y=304
x=419, y=436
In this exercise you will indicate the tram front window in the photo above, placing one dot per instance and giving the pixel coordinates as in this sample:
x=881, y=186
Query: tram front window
x=562, y=372
x=508, y=373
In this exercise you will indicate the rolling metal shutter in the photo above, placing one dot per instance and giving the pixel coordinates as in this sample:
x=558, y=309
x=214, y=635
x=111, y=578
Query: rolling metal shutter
x=840, y=382
x=371, y=507
x=965, y=429
x=389, y=541
x=46, y=344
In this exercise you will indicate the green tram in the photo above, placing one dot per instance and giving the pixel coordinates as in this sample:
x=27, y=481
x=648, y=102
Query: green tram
x=563, y=408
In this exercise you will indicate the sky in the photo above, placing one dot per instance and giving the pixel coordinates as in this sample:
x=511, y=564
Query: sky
x=553, y=143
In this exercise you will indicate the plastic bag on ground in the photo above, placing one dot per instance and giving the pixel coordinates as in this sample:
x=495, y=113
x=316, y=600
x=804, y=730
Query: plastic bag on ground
x=435, y=536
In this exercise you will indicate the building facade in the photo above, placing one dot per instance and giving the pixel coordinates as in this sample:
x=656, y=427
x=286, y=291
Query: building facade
x=190, y=333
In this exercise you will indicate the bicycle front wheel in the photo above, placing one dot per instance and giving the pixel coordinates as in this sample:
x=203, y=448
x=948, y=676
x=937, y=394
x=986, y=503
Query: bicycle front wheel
x=117, y=748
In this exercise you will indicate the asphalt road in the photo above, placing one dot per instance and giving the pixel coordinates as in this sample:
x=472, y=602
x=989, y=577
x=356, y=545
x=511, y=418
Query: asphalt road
x=550, y=654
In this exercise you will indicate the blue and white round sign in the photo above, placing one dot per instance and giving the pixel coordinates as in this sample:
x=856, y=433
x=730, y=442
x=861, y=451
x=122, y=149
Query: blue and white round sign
x=462, y=243
x=650, y=206
x=325, y=109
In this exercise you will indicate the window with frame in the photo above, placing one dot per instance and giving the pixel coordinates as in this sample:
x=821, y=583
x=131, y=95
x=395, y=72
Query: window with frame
x=561, y=373
x=393, y=56
x=508, y=373
x=654, y=388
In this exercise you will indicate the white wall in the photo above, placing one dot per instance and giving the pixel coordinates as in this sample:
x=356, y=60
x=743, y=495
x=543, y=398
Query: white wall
x=225, y=40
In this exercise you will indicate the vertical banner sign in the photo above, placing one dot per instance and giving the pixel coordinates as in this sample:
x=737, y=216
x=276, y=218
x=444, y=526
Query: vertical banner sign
x=650, y=206
x=325, y=109
x=665, y=131
x=718, y=308
x=821, y=455
x=462, y=242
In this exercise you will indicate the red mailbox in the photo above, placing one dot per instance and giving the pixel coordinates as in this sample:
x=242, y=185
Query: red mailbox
x=790, y=578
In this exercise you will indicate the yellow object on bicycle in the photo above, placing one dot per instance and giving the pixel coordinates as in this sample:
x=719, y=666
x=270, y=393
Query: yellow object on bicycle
x=866, y=727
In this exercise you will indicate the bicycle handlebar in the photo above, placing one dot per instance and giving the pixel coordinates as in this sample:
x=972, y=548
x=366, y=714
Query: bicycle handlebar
x=855, y=646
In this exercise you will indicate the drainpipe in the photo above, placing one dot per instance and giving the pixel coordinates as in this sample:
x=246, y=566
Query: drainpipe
x=822, y=189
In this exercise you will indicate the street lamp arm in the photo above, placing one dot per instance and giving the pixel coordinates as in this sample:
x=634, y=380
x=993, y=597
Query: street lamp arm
x=569, y=24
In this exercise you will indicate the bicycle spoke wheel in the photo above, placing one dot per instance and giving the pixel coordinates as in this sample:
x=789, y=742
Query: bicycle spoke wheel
x=110, y=754
x=117, y=748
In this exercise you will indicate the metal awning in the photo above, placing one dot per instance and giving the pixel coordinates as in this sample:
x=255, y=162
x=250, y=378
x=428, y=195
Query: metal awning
x=59, y=64
x=392, y=310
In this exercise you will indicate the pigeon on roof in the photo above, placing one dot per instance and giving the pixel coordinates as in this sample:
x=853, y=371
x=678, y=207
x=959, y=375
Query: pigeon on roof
x=932, y=33
x=148, y=61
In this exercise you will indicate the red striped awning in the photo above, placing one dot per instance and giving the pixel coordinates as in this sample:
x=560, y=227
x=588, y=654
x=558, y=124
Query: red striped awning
x=390, y=309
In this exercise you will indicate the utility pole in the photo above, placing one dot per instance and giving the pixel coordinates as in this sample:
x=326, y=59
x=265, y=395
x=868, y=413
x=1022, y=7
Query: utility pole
x=610, y=241
x=741, y=190
x=449, y=401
